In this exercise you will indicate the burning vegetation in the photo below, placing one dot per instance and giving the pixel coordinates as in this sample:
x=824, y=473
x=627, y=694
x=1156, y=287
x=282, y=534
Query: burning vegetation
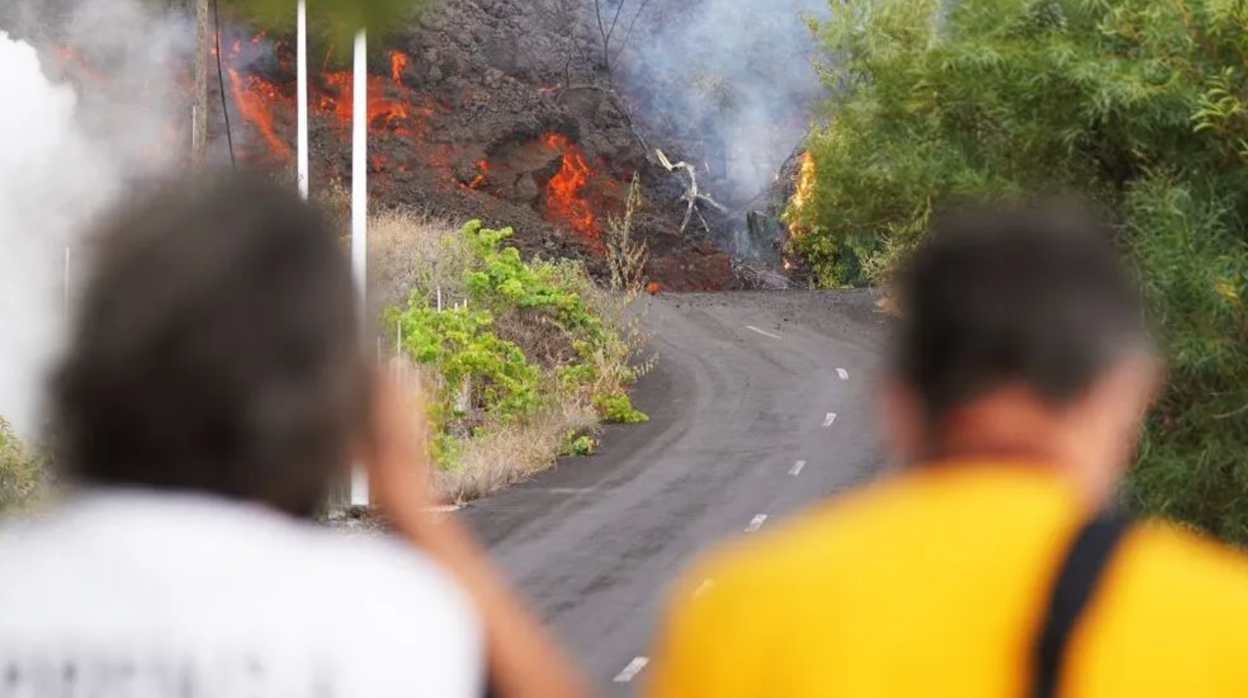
x=805, y=181
x=803, y=189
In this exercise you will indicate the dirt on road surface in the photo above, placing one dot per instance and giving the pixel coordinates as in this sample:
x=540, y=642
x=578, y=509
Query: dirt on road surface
x=760, y=406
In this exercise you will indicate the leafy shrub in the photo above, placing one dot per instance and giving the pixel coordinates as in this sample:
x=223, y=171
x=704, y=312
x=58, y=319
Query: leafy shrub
x=617, y=408
x=1139, y=103
x=582, y=445
x=517, y=346
x=460, y=344
x=20, y=471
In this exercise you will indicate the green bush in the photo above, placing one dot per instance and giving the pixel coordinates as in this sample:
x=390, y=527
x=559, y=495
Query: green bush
x=617, y=408
x=582, y=445
x=20, y=471
x=526, y=337
x=1143, y=104
x=461, y=346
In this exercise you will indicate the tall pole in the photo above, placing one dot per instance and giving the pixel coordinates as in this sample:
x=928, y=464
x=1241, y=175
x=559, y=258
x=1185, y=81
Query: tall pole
x=302, y=53
x=66, y=299
x=359, y=211
x=199, y=124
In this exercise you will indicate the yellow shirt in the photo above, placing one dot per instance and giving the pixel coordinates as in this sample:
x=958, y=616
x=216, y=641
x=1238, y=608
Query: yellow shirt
x=934, y=584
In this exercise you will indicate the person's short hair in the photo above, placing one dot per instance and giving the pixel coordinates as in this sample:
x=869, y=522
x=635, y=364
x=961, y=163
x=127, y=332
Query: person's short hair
x=215, y=349
x=1032, y=295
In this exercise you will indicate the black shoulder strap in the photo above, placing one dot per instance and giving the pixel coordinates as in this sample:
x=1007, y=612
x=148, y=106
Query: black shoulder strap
x=1075, y=584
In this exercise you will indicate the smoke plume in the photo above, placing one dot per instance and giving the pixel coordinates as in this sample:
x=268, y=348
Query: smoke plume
x=91, y=98
x=739, y=72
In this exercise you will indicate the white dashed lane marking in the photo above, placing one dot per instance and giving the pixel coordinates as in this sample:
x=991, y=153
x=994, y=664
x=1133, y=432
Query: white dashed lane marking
x=756, y=523
x=765, y=333
x=843, y=374
x=797, y=468
x=827, y=421
x=631, y=671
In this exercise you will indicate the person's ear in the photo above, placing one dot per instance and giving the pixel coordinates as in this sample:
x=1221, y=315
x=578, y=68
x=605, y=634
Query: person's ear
x=1107, y=427
x=901, y=422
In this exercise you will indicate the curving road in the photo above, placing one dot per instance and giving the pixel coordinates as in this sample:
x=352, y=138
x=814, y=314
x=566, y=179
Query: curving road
x=760, y=405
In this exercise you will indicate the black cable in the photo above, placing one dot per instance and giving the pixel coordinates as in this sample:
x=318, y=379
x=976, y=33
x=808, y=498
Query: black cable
x=229, y=135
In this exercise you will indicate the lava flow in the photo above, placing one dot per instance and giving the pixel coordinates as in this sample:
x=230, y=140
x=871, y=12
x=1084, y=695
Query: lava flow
x=392, y=114
x=270, y=110
x=255, y=98
x=483, y=170
x=566, y=192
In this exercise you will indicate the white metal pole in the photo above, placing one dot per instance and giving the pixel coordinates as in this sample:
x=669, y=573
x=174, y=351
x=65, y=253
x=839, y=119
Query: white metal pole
x=67, y=281
x=302, y=59
x=359, y=212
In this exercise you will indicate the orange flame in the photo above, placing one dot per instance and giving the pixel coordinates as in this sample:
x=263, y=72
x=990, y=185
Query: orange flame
x=483, y=169
x=805, y=181
x=565, y=192
x=398, y=62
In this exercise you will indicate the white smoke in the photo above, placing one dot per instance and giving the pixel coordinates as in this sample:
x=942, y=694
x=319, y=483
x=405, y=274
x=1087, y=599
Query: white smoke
x=740, y=72
x=69, y=146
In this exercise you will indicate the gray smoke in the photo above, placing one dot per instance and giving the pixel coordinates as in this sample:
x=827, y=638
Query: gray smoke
x=738, y=72
x=92, y=104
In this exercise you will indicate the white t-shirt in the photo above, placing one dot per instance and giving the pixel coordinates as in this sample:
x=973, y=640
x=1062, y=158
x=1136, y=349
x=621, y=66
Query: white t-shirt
x=172, y=596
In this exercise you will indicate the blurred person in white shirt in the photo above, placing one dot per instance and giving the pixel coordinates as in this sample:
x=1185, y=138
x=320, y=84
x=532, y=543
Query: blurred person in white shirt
x=213, y=390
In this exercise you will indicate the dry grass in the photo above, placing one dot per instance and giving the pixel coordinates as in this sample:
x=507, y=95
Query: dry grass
x=411, y=250
x=514, y=453
x=626, y=256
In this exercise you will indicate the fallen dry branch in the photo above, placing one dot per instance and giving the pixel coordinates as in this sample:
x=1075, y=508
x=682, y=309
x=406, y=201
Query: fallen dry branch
x=691, y=195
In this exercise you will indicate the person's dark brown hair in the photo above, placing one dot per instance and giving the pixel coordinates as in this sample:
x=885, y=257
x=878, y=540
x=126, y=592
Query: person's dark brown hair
x=216, y=349
x=1035, y=295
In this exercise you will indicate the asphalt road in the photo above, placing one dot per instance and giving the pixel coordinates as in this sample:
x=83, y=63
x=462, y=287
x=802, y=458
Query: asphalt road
x=760, y=406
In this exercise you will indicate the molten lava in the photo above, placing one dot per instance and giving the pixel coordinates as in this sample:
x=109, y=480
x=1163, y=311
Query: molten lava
x=398, y=62
x=71, y=59
x=483, y=170
x=255, y=98
x=566, y=192
x=384, y=113
x=390, y=106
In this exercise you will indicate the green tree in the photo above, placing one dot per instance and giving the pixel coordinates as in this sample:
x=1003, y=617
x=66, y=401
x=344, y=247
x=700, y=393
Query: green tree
x=1143, y=104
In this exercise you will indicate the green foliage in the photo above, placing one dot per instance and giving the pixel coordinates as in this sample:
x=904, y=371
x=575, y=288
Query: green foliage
x=1143, y=104
x=617, y=408
x=503, y=280
x=529, y=336
x=461, y=345
x=574, y=445
x=20, y=471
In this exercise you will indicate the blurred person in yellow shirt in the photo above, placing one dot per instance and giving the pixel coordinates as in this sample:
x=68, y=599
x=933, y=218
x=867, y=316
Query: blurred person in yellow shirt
x=995, y=562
